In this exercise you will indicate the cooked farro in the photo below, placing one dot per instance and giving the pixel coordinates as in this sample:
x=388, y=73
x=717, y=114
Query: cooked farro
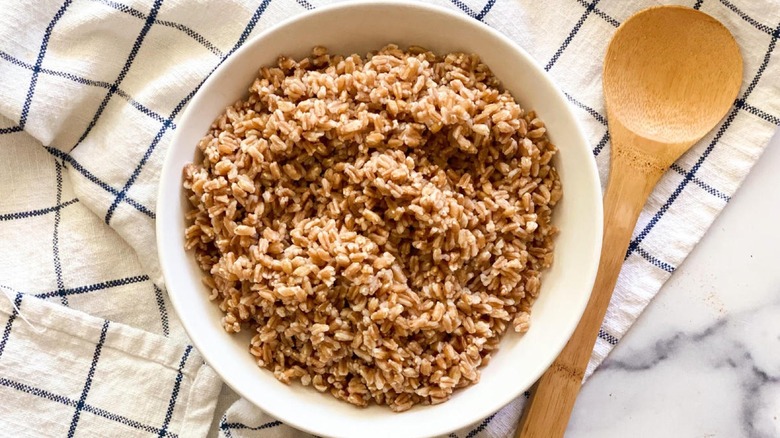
x=376, y=222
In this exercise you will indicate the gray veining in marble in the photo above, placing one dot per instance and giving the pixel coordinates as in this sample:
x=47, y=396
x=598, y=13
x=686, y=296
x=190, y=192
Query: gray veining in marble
x=703, y=361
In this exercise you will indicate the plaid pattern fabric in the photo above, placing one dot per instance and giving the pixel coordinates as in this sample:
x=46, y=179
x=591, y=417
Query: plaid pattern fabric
x=70, y=374
x=89, y=98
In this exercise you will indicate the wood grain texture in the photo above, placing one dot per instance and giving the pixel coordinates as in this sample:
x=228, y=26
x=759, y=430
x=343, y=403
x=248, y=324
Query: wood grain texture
x=670, y=74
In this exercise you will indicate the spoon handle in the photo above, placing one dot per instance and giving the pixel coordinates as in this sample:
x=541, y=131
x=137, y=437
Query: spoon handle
x=547, y=413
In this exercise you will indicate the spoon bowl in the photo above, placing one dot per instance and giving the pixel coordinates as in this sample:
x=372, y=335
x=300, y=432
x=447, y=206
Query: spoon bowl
x=670, y=74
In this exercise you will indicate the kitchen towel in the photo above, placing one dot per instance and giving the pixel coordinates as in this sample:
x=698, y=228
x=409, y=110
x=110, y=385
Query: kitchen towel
x=90, y=93
x=72, y=374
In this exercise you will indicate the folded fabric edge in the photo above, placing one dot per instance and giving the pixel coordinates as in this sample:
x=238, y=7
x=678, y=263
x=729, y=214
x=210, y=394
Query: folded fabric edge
x=202, y=403
x=41, y=315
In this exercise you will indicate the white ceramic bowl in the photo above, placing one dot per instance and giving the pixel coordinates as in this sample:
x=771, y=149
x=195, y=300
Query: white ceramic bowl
x=358, y=28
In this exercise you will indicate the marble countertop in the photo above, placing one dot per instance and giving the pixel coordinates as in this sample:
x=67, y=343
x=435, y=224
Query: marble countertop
x=703, y=361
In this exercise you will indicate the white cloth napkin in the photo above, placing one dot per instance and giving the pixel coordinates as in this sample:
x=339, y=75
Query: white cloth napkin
x=90, y=91
x=69, y=373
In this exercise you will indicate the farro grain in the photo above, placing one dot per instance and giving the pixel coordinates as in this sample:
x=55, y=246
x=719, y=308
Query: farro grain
x=377, y=222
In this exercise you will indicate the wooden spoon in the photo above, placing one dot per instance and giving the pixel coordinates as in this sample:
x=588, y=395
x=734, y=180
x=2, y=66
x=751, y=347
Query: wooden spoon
x=671, y=73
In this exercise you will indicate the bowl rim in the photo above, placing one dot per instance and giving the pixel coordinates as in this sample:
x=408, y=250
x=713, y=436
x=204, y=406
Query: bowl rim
x=167, y=184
